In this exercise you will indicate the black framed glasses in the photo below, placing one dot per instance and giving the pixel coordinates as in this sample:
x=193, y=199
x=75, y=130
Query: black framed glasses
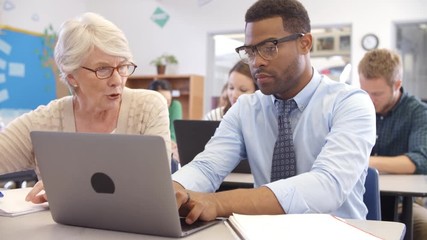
x=267, y=49
x=124, y=70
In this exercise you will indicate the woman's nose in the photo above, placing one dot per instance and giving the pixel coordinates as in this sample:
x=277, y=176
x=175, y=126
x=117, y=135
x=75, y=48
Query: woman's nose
x=115, y=79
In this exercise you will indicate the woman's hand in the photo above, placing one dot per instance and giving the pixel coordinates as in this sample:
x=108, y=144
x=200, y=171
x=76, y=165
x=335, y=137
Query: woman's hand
x=37, y=194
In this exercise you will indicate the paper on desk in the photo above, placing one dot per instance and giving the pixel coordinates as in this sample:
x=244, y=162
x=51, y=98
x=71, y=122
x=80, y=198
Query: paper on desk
x=13, y=203
x=296, y=226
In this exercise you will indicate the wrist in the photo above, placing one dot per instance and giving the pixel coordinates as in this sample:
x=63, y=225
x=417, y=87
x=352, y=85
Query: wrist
x=222, y=208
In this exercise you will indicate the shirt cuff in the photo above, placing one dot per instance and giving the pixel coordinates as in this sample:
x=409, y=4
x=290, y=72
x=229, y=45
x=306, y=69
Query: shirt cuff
x=289, y=198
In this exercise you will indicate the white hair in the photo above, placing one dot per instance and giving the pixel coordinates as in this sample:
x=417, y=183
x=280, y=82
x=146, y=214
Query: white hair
x=79, y=36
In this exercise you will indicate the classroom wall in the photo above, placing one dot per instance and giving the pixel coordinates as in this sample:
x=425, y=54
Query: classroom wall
x=185, y=34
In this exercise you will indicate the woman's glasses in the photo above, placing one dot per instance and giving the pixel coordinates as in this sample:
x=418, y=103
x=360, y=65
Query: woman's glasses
x=124, y=70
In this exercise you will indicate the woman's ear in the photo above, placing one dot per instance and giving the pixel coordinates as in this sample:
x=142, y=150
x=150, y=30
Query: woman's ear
x=306, y=43
x=71, y=80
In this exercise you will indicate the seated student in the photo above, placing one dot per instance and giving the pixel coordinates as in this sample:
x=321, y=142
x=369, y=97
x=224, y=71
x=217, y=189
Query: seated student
x=175, y=112
x=239, y=82
x=222, y=106
x=223, y=99
x=401, y=145
x=307, y=138
x=95, y=61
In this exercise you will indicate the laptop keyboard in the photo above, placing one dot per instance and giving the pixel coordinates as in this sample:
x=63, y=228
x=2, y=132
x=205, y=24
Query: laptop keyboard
x=187, y=227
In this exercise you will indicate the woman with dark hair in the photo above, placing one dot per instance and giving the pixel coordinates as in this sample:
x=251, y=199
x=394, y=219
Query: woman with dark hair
x=175, y=112
x=175, y=107
x=239, y=82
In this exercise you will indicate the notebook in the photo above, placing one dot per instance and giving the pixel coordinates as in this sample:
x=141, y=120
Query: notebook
x=191, y=138
x=13, y=203
x=110, y=181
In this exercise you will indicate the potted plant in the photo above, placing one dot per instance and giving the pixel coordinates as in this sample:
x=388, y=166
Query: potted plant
x=162, y=61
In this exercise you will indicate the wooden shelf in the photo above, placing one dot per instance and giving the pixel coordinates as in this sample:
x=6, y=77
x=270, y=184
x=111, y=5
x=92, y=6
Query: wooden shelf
x=190, y=90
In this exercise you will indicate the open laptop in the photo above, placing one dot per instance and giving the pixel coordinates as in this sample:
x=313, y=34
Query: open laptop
x=191, y=138
x=110, y=181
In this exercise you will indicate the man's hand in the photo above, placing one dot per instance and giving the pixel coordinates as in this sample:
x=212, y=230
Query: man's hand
x=208, y=206
x=37, y=194
x=194, y=205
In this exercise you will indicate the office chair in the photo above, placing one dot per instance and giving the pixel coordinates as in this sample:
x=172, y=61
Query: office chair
x=371, y=198
x=17, y=179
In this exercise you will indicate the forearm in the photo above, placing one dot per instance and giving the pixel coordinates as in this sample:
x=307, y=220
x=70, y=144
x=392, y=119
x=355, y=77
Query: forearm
x=247, y=201
x=398, y=164
x=222, y=204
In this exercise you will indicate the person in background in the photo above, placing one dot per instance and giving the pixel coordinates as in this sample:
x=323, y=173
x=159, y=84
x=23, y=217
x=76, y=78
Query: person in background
x=332, y=128
x=94, y=60
x=175, y=112
x=239, y=82
x=401, y=145
x=223, y=99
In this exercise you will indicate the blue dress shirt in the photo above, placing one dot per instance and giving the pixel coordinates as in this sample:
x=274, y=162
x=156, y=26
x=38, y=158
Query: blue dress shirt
x=333, y=133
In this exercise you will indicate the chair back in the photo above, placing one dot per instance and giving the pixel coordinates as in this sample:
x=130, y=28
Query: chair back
x=371, y=198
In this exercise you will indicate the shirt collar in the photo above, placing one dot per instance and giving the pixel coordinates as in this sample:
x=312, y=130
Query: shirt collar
x=399, y=102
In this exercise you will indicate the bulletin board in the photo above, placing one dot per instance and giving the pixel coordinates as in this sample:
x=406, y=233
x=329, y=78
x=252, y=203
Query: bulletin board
x=28, y=74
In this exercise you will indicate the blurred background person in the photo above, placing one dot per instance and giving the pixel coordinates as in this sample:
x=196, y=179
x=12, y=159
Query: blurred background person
x=401, y=123
x=239, y=82
x=175, y=112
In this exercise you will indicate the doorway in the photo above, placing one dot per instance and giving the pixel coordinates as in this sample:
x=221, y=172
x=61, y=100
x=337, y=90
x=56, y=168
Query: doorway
x=411, y=41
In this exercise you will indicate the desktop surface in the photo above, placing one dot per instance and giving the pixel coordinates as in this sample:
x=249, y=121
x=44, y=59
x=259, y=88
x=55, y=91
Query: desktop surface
x=41, y=226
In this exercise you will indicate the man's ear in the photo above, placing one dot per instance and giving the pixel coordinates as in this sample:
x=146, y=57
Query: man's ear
x=306, y=43
x=397, y=85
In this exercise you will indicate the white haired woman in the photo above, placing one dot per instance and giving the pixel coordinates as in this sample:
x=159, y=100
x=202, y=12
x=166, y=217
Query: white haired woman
x=95, y=61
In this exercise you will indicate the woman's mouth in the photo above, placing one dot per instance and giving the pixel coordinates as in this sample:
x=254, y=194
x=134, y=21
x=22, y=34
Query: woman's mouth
x=114, y=96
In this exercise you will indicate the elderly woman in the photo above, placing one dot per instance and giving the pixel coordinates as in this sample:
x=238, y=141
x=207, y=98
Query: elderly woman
x=95, y=61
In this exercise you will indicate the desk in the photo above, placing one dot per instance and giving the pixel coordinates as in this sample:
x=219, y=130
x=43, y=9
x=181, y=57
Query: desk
x=408, y=187
x=237, y=180
x=41, y=226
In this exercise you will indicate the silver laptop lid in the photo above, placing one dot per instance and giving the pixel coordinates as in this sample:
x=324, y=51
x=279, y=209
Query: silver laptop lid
x=108, y=181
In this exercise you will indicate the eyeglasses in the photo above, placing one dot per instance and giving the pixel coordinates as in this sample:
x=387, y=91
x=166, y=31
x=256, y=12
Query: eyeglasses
x=266, y=49
x=124, y=70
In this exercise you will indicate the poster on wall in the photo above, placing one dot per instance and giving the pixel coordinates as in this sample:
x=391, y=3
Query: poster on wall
x=160, y=17
x=27, y=68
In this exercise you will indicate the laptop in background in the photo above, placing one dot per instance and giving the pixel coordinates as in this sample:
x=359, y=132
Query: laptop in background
x=191, y=138
x=110, y=181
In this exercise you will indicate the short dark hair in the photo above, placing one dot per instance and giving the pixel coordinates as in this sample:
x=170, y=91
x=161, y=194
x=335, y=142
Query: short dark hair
x=294, y=15
x=160, y=84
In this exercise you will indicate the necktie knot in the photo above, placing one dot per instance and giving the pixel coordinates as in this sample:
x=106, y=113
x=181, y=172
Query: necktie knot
x=284, y=107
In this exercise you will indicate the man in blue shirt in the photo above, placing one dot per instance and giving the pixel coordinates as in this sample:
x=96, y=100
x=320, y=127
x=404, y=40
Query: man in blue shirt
x=401, y=145
x=333, y=130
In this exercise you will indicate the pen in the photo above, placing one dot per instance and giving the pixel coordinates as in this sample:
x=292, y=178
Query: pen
x=1, y=195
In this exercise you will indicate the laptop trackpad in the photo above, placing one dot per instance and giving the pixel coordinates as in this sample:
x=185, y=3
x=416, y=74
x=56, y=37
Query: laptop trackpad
x=196, y=226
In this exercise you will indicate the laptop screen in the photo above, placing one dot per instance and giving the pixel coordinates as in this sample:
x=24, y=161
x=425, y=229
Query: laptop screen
x=192, y=136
